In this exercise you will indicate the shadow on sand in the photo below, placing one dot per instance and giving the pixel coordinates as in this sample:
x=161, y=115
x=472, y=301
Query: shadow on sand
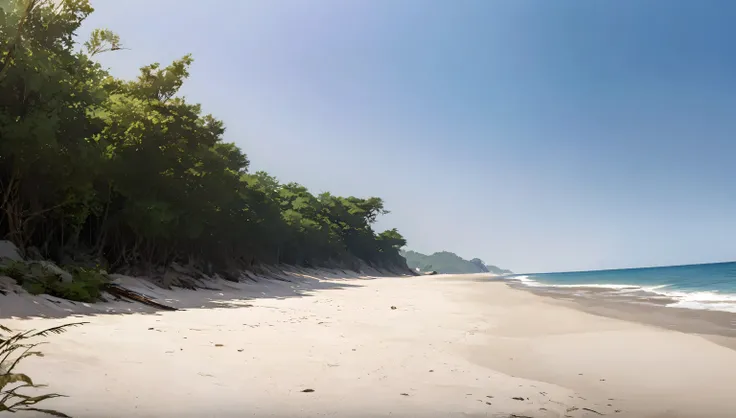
x=215, y=294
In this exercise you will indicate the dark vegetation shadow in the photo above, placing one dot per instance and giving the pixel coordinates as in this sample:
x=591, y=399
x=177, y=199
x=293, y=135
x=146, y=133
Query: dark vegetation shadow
x=216, y=295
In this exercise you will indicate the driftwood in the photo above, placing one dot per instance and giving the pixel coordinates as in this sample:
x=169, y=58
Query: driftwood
x=120, y=291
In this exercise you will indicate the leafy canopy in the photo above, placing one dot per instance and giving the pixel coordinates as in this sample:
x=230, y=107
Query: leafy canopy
x=131, y=173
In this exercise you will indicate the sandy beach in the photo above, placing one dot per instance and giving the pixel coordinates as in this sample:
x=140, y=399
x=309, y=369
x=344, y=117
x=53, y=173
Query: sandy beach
x=321, y=346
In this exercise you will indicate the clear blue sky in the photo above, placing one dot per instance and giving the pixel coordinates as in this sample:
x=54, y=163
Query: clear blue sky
x=536, y=135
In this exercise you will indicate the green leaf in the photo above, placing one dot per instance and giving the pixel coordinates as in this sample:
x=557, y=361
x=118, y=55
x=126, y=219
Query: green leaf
x=46, y=411
x=9, y=378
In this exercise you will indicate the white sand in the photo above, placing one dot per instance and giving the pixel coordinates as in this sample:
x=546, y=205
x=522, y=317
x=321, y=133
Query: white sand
x=452, y=348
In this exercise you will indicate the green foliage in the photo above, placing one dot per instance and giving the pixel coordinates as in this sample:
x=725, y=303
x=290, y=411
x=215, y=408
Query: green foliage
x=448, y=263
x=16, y=270
x=86, y=284
x=128, y=172
x=13, y=349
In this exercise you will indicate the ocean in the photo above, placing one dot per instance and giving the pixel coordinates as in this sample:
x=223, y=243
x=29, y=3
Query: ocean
x=700, y=286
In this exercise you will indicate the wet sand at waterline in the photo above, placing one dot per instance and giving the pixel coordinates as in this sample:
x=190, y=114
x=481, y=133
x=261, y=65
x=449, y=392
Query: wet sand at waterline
x=323, y=346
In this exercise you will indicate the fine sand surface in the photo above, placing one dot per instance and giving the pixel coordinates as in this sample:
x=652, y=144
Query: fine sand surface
x=453, y=347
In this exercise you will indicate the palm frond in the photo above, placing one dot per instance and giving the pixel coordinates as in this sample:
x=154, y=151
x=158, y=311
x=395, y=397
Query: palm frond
x=6, y=351
x=26, y=353
x=32, y=400
x=12, y=392
x=11, y=350
x=46, y=411
x=10, y=399
x=56, y=330
x=9, y=378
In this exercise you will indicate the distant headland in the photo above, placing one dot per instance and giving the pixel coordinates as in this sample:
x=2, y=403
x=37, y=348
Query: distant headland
x=448, y=263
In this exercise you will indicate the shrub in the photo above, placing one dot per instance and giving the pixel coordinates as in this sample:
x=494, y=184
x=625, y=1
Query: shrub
x=16, y=270
x=85, y=286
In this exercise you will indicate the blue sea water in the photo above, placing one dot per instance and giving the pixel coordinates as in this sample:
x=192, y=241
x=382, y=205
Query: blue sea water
x=700, y=286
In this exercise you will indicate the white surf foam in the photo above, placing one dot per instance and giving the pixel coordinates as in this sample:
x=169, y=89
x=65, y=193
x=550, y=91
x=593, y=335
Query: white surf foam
x=709, y=301
x=699, y=300
x=712, y=306
x=526, y=280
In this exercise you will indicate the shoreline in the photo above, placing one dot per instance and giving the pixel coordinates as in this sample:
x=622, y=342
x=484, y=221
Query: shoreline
x=717, y=326
x=455, y=346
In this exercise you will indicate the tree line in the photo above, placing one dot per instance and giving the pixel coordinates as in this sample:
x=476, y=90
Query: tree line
x=128, y=172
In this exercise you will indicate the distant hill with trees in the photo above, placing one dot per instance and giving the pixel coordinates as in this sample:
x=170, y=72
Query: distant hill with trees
x=449, y=263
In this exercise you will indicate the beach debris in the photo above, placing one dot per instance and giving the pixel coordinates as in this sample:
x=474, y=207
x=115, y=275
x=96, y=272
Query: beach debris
x=431, y=371
x=603, y=380
x=308, y=391
x=393, y=308
x=593, y=411
x=240, y=350
x=119, y=291
x=574, y=408
x=404, y=394
x=489, y=396
x=219, y=345
x=517, y=398
x=488, y=403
